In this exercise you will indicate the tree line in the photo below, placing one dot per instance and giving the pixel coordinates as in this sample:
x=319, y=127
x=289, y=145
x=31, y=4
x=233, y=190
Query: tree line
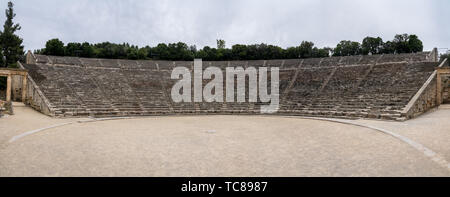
x=11, y=49
x=402, y=43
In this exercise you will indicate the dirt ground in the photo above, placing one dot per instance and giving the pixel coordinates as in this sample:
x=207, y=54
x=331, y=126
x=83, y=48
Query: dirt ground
x=32, y=144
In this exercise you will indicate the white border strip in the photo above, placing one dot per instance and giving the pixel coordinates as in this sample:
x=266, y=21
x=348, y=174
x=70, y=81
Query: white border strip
x=15, y=138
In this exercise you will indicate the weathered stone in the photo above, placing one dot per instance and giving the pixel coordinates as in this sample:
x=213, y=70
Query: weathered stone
x=355, y=86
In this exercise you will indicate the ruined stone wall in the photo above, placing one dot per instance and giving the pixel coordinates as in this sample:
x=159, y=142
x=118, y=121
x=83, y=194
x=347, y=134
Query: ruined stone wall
x=446, y=90
x=16, y=88
x=3, y=95
x=425, y=100
x=6, y=108
x=34, y=97
x=2, y=108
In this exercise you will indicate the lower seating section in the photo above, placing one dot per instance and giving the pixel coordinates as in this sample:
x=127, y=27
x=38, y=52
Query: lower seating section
x=77, y=91
x=55, y=86
x=305, y=89
x=378, y=86
x=178, y=107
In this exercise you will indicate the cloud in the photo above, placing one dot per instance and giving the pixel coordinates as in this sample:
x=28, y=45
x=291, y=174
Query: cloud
x=201, y=22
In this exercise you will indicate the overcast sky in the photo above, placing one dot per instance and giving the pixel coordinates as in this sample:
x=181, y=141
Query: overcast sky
x=200, y=22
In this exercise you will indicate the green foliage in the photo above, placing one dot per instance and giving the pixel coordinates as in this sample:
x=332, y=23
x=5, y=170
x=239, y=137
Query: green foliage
x=324, y=52
x=404, y=43
x=87, y=50
x=346, y=48
x=372, y=45
x=2, y=83
x=72, y=49
x=401, y=43
x=388, y=48
x=306, y=49
x=54, y=47
x=443, y=56
x=11, y=44
x=2, y=61
x=415, y=45
x=220, y=44
x=182, y=51
x=179, y=51
x=239, y=51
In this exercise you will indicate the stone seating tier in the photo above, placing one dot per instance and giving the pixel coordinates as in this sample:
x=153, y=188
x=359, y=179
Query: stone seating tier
x=377, y=86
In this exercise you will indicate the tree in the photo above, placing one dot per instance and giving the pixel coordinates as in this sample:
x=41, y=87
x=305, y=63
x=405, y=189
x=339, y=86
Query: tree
x=323, y=52
x=87, y=50
x=388, y=48
x=305, y=49
x=346, y=48
x=443, y=56
x=372, y=45
x=2, y=62
x=274, y=52
x=202, y=54
x=291, y=53
x=11, y=44
x=404, y=43
x=142, y=53
x=220, y=44
x=239, y=51
x=415, y=45
x=401, y=43
x=179, y=51
x=73, y=49
x=54, y=47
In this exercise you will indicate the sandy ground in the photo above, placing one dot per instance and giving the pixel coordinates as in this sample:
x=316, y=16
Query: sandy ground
x=219, y=146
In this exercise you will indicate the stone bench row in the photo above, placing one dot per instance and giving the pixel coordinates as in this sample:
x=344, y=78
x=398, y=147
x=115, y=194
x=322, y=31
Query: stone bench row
x=283, y=64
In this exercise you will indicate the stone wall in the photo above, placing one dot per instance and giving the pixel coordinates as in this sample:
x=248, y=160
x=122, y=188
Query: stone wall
x=6, y=108
x=16, y=88
x=2, y=107
x=446, y=90
x=3, y=95
x=427, y=96
x=35, y=98
x=424, y=100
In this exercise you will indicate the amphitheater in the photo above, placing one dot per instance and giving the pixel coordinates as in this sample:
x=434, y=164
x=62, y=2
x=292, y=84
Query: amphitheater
x=377, y=86
x=367, y=115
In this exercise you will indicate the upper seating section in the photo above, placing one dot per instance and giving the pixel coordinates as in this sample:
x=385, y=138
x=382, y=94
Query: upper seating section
x=283, y=64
